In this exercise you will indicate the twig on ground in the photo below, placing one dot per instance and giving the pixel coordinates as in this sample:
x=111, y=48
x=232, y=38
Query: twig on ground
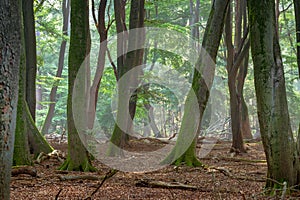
x=108, y=175
x=226, y=172
x=57, y=195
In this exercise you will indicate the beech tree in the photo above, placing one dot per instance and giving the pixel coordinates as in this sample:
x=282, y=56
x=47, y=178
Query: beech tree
x=200, y=87
x=272, y=108
x=61, y=59
x=28, y=139
x=126, y=62
x=78, y=158
x=297, y=19
x=237, y=61
x=9, y=76
x=30, y=54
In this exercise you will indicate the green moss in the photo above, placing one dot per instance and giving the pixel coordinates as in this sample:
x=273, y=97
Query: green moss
x=84, y=166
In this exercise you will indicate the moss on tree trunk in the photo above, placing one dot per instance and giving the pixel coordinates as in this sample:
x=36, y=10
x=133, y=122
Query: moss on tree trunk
x=185, y=153
x=280, y=148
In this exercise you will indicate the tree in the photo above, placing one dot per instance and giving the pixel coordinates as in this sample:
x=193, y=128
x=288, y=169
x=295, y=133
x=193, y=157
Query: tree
x=28, y=139
x=30, y=54
x=297, y=19
x=278, y=141
x=200, y=87
x=133, y=59
x=61, y=59
x=9, y=68
x=237, y=55
x=78, y=158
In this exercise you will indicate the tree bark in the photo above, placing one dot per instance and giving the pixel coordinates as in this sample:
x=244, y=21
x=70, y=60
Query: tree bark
x=133, y=58
x=27, y=137
x=9, y=67
x=78, y=158
x=200, y=86
x=30, y=52
x=297, y=19
x=280, y=148
x=61, y=59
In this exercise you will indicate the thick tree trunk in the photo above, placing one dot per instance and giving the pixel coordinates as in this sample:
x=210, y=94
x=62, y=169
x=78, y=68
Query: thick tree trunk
x=21, y=146
x=27, y=137
x=30, y=52
x=78, y=158
x=61, y=59
x=201, y=85
x=9, y=71
x=280, y=148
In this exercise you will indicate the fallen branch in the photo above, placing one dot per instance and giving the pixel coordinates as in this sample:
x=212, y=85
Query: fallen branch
x=79, y=177
x=234, y=159
x=161, y=184
x=226, y=172
x=177, y=185
x=110, y=174
x=24, y=170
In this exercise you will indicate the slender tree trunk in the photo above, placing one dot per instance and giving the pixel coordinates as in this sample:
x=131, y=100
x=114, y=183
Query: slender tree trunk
x=297, y=19
x=200, y=86
x=127, y=104
x=30, y=52
x=93, y=91
x=9, y=67
x=280, y=148
x=61, y=59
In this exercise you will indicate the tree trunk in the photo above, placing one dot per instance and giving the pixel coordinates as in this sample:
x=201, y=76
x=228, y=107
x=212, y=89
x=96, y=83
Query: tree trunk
x=9, y=67
x=201, y=85
x=61, y=59
x=30, y=52
x=280, y=148
x=21, y=154
x=297, y=19
x=27, y=137
x=78, y=158
x=134, y=58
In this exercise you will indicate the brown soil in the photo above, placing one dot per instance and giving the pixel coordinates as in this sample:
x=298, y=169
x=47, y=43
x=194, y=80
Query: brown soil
x=225, y=176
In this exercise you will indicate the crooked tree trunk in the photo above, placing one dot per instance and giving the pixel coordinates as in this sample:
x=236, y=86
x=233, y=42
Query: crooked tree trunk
x=78, y=158
x=61, y=59
x=9, y=67
x=238, y=51
x=280, y=148
x=200, y=87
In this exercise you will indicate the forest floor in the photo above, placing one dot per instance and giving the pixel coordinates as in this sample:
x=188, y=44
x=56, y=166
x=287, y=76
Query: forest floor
x=225, y=176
